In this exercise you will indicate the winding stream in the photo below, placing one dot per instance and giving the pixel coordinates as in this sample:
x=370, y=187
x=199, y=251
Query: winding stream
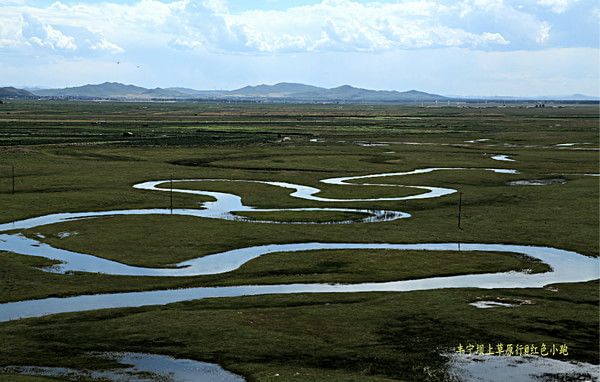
x=566, y=266
x=225, y=205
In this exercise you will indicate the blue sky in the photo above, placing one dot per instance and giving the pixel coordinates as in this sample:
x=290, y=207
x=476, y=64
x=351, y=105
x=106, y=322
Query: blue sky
x=464, y=47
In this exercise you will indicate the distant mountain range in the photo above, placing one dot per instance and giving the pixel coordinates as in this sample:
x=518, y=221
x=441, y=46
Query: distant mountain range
x=281, y=92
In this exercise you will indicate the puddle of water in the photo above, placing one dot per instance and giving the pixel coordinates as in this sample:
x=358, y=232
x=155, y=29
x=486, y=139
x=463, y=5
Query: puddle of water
x=65, y=234
x=374, y=216
x=368, y=144
x=503, y=158
x=570, y=146
x=471, y=368
x=501, y=301
x=477, y=140
x=490, y=304
x=537, y=182
x=161, y=367
x=419, y=143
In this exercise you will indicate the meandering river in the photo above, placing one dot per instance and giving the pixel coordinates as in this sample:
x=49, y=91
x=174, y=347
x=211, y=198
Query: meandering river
x=566, y=266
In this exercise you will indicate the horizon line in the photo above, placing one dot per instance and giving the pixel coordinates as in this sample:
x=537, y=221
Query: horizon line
x=476, y=96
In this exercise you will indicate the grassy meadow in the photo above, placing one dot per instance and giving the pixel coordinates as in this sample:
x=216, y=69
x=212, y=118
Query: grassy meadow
x=79, y=156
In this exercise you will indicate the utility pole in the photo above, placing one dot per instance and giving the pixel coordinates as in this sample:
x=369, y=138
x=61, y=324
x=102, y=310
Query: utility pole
x=171, y=194
x=459, y=208
x=13, y=179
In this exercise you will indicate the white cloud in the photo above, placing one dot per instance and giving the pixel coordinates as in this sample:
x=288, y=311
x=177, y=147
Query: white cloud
x=108, y=46
x=544, y=33
x=345, y=25
x=349, y=25
x=44, y=35
x=175, y=40
x=496, y=38
x=328, y=25
x=31, y=31
x=10, y=31
x=557, y=6
x=56, y=39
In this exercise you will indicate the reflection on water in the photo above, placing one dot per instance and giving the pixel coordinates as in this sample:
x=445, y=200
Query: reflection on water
x=477, y=140
x=566, y=266
x=474, y=368
x=537, y=182
x=225, y=205
x=490, y=304
x=503, y=158
x=140, y=368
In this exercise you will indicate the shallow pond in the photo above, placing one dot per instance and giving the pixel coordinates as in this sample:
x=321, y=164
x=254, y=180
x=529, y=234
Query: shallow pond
x=537, y=182
x=502, y=158
x=140, y=368
x=475, y=368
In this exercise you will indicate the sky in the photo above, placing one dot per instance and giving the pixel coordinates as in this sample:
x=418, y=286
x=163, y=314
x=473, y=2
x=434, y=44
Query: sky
x=462, y=47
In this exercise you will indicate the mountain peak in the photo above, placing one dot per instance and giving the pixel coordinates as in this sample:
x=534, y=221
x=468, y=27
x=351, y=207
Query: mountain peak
x=279, y=89
x=345, y=87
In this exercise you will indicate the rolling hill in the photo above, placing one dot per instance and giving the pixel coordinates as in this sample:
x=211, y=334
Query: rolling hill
x=281, y=91
x=10, y=92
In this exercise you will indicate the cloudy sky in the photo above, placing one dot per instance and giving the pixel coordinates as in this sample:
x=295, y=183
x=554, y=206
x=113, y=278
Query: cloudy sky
x=463, y=47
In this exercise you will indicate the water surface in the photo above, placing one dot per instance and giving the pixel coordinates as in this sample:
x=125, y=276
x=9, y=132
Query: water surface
x=502, y=158
x=566, y=266
x=472, y=368
x=140, y=367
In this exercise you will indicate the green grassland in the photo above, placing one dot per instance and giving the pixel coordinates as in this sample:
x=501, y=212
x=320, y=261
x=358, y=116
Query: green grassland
x=20, y=281
x=359, y=337
x=24, y=378
x=73, y=156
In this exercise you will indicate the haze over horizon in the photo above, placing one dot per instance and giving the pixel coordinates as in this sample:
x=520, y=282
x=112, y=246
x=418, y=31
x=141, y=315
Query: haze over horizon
x=36, y=89
x=467, y=47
